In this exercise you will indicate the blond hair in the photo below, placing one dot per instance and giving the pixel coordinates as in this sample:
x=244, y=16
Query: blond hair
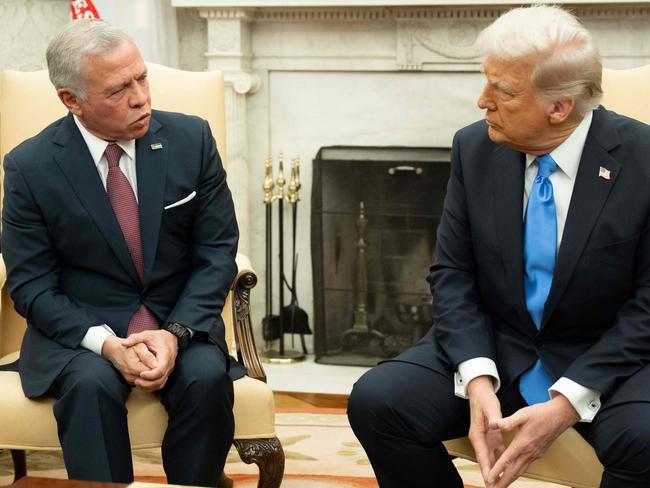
x=565, y=61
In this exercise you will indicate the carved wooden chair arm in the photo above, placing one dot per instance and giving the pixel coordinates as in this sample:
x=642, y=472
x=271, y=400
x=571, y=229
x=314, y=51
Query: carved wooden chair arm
x=246, y=350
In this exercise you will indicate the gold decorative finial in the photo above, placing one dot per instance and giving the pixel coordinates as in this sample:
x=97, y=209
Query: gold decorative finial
x=294, y=182
x=268, y=180
x=280, y=181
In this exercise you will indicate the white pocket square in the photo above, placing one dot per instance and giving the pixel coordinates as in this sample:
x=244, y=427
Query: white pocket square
x=182, y=201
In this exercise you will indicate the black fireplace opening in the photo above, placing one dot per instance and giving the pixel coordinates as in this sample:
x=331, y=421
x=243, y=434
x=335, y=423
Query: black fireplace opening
x=375, y=211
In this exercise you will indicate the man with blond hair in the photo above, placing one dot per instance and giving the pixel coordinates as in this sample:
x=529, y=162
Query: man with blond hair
x=541, y=284
x=119, y=236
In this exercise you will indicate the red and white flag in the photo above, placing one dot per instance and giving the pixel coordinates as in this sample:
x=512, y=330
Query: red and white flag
x=83, y=9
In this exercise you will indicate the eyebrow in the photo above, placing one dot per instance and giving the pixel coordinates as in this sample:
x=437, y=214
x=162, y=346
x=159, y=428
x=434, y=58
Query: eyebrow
x=503, y=86
x=116, y=87
x=112, y=89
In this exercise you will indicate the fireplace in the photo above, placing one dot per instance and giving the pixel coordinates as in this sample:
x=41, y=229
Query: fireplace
x=375, y=211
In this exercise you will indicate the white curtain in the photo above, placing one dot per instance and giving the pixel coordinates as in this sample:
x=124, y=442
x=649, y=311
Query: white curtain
x=151, y=24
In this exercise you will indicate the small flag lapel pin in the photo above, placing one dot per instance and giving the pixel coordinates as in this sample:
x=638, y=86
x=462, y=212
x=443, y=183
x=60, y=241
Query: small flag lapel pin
x=158, y=145
x=604, y=173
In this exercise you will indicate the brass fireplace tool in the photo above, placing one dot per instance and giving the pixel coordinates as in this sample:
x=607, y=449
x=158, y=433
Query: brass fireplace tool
x=270, y=322
x=295, y=318
x=274, y=327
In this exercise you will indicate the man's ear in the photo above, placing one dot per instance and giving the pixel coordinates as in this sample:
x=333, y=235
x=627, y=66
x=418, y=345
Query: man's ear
x=70, y=100
x=561, y=110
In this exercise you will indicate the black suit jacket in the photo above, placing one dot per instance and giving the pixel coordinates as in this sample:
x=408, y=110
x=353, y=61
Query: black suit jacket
x=596, y=324
x=68, y=265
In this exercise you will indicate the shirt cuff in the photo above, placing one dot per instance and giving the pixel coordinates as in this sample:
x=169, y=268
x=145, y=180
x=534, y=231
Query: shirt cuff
x=95, y=337
x=585, y=400
x=473, y=368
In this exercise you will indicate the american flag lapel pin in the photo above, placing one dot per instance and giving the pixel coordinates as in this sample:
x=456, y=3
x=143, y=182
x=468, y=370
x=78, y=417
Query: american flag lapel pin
x=604, y=173
x=158, y=145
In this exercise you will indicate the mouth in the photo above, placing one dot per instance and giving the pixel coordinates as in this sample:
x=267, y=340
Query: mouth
x=142, y=119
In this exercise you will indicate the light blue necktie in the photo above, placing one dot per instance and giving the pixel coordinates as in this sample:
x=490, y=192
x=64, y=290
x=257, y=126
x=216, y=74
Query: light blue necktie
x=540, y=243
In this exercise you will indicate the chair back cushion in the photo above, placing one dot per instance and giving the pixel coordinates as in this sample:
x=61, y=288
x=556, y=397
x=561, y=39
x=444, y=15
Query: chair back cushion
x=626, y=92
x=29, y=103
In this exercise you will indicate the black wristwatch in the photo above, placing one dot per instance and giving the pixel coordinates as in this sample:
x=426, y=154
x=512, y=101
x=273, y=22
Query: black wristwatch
x=181, y=332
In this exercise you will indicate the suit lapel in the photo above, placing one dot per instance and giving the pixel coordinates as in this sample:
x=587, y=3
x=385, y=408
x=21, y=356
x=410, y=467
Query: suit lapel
x=590, y=193
x=77, y=164
x=508, y=183
x=151, y=169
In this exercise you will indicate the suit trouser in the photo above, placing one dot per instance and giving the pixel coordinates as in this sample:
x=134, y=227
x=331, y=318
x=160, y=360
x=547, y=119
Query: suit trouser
x=92, y=418
x=401, y=412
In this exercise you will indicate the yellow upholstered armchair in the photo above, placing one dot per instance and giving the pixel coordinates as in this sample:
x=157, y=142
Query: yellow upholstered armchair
x=571, y=461
x=28, y=103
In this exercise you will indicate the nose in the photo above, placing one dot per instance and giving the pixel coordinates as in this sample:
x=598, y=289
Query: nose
x=139, y=94
x=485, y=100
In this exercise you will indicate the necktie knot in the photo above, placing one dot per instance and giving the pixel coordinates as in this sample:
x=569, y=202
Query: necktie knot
x=113, y=154
x=546, y=165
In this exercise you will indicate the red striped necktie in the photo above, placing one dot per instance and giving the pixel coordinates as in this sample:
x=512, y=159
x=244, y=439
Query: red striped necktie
x=125, y=207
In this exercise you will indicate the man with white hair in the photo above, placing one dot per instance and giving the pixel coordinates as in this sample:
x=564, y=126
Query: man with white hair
x=119, y=236
x=541, y=295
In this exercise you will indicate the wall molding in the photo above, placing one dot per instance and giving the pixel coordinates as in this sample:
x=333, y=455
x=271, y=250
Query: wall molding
x=220, y=13
x=363, y=14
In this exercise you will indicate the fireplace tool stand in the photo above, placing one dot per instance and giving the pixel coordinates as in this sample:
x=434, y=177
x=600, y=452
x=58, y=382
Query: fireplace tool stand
x=280, y=355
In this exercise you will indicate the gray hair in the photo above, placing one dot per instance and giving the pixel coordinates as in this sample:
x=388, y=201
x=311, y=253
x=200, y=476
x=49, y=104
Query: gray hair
x=79, y=39
x=565, y=61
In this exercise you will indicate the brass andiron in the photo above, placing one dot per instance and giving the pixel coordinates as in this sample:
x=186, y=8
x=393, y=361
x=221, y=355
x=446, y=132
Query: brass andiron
x=360, y=335
x=281, y=355
x=361, y=295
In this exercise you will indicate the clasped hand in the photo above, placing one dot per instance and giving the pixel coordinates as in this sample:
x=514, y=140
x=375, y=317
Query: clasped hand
x=536, y=428
x=145, y=359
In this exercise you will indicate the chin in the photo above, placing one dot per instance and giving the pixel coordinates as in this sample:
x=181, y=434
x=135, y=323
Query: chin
x=137, y=134
x=495, y=135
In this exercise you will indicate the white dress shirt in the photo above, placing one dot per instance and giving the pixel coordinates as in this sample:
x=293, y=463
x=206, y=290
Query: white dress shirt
x=95, y=336
x=567, y=156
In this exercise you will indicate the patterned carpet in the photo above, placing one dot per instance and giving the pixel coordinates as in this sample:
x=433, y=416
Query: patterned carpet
x=321, y=452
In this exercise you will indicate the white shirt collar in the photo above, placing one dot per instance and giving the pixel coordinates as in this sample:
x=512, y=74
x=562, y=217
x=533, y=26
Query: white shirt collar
x=97, y=146
x=567, y=155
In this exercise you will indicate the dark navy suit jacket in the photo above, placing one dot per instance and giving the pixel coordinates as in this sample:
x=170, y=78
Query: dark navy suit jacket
x=596, y=325
x=68, y=265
